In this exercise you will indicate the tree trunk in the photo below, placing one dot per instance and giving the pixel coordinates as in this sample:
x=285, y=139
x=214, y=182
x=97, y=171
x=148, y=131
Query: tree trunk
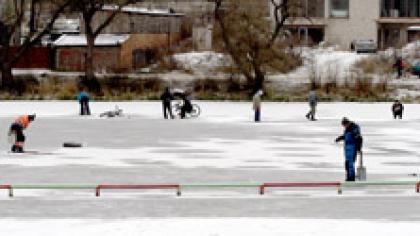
x=89, y=70
x=6, y=76
x=259, y=78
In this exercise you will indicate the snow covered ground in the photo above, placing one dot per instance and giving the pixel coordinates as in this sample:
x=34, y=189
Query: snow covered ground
x=210, y=227
x=222, y=146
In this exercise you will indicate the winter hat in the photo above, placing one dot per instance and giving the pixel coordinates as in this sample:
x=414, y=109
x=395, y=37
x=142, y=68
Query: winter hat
x=345, y=121
x=32, y=117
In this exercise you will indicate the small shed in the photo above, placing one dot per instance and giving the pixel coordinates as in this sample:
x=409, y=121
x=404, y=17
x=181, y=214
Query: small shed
x=70, y=51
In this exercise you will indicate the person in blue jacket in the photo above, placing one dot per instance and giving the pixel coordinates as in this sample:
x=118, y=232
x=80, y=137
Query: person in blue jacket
x=352, y=144
x=83, y=99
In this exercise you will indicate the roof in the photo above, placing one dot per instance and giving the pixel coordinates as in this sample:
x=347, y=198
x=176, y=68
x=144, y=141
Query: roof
x=101, y=40
x=142, y=10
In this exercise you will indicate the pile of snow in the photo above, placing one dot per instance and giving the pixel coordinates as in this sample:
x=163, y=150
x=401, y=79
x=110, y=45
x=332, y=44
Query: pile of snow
x=409, y=52
x=201, y=61
x=325, y=63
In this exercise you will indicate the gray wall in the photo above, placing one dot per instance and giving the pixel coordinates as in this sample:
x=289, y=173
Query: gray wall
x=361, y=24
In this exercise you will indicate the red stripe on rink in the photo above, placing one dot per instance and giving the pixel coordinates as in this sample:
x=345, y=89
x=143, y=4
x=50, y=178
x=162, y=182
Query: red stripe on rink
x=7, y=186
x=135, y=186
x=298, y=185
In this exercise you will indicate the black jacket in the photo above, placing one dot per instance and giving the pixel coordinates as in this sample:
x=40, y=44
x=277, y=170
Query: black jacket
x=166, y=97
x=398, y=108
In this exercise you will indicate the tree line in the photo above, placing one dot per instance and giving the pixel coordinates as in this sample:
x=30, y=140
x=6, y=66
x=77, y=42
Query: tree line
x=255, y=40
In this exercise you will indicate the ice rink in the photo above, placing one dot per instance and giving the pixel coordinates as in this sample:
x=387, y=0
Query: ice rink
x=223, y=145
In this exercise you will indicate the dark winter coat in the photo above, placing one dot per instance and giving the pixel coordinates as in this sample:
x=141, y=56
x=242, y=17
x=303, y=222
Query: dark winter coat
x=312, y=99
x=166, y=97
x=352, y=141
x=398, y=108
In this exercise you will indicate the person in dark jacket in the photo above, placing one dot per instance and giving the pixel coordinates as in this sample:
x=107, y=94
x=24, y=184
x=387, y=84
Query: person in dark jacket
x=83, y=99
x=167, y=98
x=397, y=109
x=399, y=66
x=16, y=130
x=187, y=106
x=256, y=102
x=352, y=145
x=313, y=101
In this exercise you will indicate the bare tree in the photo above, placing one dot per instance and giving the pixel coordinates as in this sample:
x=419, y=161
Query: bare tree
x=88, y=9
x=10, y=24
x=255, y=44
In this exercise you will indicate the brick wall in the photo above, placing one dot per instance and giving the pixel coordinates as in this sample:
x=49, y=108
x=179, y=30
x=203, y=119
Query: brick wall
x=73, y=58
x=144, y=42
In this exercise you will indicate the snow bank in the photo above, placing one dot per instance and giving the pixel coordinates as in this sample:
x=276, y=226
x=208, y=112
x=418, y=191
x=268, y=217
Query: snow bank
x=321, y=62
x=208, y=227
x=411, y=51
x=201, y=61
x=326, y=63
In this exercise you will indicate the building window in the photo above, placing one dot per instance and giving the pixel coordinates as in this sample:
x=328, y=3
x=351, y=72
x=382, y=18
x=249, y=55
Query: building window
x=339, y=8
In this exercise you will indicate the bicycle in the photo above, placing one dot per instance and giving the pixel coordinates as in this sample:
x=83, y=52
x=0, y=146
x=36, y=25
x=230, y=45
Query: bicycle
x=194, y=113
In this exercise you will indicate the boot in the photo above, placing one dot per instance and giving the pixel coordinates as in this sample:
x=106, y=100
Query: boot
x=17, y=149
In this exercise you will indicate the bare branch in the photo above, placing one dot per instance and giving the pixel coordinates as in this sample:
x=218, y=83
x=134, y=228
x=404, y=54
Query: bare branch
x=30, y=40
x=228, y=44
x=111, y=17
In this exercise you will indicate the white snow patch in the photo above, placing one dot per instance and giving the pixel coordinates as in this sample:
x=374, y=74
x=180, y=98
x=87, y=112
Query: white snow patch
x=198, y=61
x=326, y=63
x=101, y=40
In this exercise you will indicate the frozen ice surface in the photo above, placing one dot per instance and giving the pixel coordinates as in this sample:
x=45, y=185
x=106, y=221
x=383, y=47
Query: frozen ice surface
x=223, y=145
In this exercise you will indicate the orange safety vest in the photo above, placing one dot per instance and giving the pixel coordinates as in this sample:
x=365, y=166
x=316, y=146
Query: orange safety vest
x=23, y=120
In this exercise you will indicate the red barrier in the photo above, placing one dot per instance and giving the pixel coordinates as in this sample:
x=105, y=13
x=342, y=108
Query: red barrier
x=137, y=186
x=33, y=58
x=296, y=185
x=9, y=187
x=418, y=187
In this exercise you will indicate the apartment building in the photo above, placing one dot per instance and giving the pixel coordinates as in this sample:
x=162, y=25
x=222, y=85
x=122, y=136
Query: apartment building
x=389, y=23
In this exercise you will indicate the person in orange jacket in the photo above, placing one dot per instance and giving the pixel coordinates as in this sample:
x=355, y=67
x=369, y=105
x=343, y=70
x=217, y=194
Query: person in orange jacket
x=16, y=129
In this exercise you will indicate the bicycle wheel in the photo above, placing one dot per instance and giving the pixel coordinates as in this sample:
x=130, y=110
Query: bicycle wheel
x=196, y=111
x=176, y=110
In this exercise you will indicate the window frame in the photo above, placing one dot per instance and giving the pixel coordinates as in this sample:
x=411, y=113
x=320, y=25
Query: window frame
x=330, y=10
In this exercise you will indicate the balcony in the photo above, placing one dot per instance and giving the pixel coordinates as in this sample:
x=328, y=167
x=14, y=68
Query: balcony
x=400, y=9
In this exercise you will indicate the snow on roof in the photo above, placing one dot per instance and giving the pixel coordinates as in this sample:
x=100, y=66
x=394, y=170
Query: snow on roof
x=414, y=28
x=142, y=10
x=101, y=40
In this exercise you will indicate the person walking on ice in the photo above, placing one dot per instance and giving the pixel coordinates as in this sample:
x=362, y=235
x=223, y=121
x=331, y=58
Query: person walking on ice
x=83, y=99
x=352, y=145
x=167, y=98
x=16, y=130
x=256, y=100
x=397, y=109
x=313, y=101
